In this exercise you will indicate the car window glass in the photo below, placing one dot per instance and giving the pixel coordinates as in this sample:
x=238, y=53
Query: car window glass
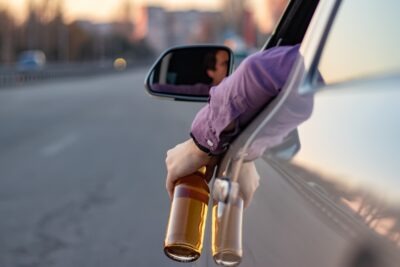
x=363, y=41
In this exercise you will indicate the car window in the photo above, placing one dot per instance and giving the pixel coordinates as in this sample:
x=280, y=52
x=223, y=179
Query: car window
x=363, y=41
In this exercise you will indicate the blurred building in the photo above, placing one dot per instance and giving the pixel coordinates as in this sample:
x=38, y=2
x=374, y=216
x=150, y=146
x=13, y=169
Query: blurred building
x=157, y=34
x=188, y=27
x=249, y=29
x=162, y=29
x=95, y=28
x=233, y=14
x=274, y=10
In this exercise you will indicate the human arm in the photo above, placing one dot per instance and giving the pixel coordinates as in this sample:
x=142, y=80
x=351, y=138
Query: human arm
x=238, y=98
x=186, y=158
x=182, y=160
x=248, y=180
x=231, y=106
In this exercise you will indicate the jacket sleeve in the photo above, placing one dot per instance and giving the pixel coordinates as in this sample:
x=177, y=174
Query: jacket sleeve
x=240, y=96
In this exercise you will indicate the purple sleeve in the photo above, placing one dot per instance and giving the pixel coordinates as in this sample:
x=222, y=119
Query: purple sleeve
x=240, y=96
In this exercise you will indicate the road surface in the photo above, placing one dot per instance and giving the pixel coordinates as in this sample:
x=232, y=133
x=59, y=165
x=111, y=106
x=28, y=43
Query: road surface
x=82, y=172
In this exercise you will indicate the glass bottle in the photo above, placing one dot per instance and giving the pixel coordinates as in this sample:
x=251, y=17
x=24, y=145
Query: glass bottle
x=227, y=220
x=187, y=219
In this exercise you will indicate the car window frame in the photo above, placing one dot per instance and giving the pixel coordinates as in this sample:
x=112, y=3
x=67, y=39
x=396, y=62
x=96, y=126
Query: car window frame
x=313, y=77
x=299, y=79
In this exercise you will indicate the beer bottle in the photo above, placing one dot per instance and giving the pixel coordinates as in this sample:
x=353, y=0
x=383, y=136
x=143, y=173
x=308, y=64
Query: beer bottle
x=227, y=219
x=187, y=219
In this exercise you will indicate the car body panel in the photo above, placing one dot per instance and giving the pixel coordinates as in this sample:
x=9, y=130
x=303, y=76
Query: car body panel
x=347, y=213
x=327, y=155
x=337, y=201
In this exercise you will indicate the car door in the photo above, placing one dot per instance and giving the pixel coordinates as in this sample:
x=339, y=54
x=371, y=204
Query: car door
x=329, y=192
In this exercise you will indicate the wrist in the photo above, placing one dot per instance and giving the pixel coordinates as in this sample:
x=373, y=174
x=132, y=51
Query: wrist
x=200, y=148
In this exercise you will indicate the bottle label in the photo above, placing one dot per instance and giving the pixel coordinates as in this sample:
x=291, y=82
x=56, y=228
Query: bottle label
x=187, y=192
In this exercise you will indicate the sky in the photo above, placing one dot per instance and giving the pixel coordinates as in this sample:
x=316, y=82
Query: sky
x=84, y=8
x=105, y=10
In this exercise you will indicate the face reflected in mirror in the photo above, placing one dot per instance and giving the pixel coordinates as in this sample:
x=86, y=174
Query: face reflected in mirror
x=190, y=71
x=217, y=67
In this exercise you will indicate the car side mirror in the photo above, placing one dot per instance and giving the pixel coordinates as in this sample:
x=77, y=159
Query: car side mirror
x=188, y=72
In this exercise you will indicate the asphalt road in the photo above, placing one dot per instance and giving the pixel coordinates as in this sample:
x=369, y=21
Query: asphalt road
x=82, y=183
x=82, y=172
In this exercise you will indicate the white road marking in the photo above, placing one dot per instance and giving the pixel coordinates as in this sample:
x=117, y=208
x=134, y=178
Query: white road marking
x=60, y=145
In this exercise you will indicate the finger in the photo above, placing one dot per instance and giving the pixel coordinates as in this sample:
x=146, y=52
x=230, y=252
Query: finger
x=247, y=201
x=170, y=187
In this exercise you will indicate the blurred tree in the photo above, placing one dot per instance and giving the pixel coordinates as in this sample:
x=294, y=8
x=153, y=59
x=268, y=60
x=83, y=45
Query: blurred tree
x=124, y=22
x=79, y=41
x=44, y=29
x=6, y=37
x=32, y=26
x=55, y=41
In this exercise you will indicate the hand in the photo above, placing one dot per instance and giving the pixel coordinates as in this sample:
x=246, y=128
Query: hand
x=248, y=180
x=184, y=159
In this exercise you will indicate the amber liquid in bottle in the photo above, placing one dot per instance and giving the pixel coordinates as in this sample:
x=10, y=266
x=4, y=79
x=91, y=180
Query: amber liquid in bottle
x=187, y=219
x=227, y=232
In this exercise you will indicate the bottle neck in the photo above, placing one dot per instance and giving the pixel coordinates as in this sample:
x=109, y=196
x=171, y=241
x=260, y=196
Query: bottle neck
x=196, y=180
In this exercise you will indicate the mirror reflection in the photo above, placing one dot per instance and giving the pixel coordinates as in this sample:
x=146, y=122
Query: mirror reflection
x=190, y=71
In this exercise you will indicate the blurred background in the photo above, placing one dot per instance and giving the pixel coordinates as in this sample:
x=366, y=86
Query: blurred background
x=81, y=144
x=91, y=31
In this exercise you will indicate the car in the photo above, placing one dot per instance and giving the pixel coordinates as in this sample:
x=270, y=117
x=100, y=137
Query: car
x=329, y=193
x=31, y=60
